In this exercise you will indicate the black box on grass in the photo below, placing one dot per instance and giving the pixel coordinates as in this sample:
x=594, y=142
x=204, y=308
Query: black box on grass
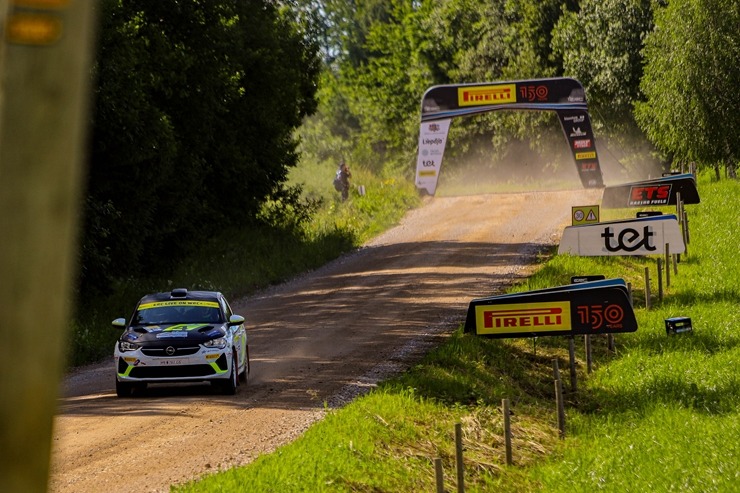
x=678, y=325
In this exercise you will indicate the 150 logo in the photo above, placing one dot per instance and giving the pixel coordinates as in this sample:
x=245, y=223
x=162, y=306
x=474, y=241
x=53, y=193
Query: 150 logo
x=533, y=93
x=599, y=315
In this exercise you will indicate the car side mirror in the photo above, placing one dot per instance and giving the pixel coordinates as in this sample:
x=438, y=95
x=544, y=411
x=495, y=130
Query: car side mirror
x=119, y=323
x=236, y=320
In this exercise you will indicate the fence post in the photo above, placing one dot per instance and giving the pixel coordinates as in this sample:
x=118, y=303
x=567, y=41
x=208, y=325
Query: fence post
x=660, y=280
x=572, y=355
x=667, y=266
x=507, y=431
x=459, y=459
x=647, y=288
x=560, y=407
x=439, y=475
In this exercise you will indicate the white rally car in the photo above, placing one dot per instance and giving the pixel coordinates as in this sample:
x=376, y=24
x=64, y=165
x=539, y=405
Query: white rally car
x=181, y=336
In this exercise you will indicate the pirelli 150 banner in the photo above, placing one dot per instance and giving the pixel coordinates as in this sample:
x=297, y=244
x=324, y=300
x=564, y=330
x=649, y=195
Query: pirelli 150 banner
x=565, y=96
x=597, y=307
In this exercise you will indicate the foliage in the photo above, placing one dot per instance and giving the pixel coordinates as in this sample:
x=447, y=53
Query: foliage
x=692, y=109
x=196, y=103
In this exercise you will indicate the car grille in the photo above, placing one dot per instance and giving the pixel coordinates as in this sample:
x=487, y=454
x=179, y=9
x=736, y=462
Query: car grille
x=161, y=352
x=184, y=371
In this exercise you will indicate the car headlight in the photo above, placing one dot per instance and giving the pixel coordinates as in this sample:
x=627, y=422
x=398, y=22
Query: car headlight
x=219, y=343
x=127, y=346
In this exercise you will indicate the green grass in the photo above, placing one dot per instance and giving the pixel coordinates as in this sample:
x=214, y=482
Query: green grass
x=662, y=414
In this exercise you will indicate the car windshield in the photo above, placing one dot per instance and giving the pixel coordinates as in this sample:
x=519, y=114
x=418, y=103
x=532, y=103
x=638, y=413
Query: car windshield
x=177, y=312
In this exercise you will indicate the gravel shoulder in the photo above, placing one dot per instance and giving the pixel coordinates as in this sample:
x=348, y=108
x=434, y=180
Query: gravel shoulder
x=324, y=337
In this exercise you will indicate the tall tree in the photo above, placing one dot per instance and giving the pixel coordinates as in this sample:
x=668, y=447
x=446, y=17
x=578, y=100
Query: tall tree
x=692, y=110
x=196, y=106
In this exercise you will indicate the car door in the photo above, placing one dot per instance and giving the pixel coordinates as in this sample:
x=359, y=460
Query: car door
x=239, y=335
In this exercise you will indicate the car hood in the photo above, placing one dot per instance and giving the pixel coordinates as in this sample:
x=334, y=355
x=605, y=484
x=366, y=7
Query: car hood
x=173, y=333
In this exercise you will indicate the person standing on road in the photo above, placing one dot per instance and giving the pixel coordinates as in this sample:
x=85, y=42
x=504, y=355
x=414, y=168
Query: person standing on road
x=341, y=180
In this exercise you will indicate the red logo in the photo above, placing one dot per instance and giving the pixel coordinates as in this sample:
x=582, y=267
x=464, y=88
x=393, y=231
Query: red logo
x=534, y=93
x=531, y=317
x=582, y=144
x=592, y=166
x=597, y=315
x=650, y=195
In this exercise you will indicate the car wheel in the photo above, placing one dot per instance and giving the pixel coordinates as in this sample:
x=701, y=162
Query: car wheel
x=244, y=375
x=228, y=387
x=123, y=389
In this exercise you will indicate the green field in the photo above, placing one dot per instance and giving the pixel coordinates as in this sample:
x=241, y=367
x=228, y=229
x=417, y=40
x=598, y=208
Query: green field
x=660, y=414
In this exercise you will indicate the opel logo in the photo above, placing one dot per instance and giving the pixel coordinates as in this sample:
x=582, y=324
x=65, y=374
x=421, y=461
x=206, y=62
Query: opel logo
x=170, y=350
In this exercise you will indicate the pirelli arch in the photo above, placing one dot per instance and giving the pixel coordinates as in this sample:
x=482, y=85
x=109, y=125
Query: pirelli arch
x=564, y=96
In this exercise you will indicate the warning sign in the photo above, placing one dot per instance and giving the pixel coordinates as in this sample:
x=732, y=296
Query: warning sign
x=585, y=214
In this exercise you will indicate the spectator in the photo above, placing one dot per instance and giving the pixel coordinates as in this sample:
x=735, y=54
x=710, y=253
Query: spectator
x=341, y=180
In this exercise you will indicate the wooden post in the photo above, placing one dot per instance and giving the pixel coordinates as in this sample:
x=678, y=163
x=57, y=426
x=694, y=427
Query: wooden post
x=555, y=369
x=439, y=475
x=679, y=215
x=675, y=265
x=560, y=403
x=610, y=343
x=572, y=355
x=667, y=266
x=660, y=280
x=647, y=288
x=587, y=346
x=507, y=431
x=45, y=76
x=629, y=292
x=459, y=459
x=687, y=237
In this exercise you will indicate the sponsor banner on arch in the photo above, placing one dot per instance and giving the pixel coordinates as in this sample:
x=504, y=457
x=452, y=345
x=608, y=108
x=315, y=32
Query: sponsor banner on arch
x=642, y=236
x=432, y=141
x=598, y=307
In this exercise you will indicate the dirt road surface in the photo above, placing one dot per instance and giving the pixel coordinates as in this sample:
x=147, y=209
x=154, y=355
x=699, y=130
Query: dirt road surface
x=326, y=336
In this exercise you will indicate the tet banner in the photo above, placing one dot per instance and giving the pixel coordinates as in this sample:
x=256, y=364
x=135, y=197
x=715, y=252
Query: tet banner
x=642, y=236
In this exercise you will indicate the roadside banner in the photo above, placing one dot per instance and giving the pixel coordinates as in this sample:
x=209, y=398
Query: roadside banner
x=597, y=307
x=432, y=141
x=565, y=96
x=648, y=193
x=643, y=236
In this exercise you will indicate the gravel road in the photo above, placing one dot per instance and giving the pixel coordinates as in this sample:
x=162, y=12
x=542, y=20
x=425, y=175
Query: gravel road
x=324, y=337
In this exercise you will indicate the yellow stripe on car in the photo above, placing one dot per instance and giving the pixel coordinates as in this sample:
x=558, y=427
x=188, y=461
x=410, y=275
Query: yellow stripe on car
x=158, y=304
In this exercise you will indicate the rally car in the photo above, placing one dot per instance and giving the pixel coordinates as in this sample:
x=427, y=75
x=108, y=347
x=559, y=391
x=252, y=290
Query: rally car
x=181, y=336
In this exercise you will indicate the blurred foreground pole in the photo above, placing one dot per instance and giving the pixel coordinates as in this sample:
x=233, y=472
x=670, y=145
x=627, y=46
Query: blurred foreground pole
x=45, y=55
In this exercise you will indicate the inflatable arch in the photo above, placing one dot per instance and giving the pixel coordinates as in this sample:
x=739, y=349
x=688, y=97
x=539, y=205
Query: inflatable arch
x=564, y=96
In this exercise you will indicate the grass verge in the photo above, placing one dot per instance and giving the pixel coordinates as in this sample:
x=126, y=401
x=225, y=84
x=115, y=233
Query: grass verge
x=660, y=414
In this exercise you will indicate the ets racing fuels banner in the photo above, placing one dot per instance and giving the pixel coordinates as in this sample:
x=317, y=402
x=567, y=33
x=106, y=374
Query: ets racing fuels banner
x=565, y=96
x=641, y=236
x=648, y=193
x=597, y=307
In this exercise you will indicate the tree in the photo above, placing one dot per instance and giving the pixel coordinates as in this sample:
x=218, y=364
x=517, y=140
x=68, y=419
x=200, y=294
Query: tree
x=692, y=109
x=196, y=107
